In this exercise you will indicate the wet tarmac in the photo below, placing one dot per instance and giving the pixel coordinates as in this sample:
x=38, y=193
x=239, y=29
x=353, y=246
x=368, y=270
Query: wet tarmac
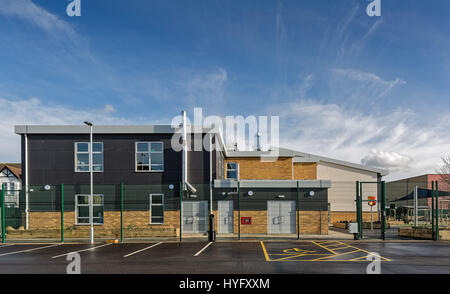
x=245, y=257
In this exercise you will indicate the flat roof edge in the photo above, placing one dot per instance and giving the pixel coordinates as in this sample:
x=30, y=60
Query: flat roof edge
x=102, y=129
x=272, y=183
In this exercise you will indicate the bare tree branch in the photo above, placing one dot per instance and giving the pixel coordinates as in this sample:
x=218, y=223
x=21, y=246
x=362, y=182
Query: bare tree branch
x=444, y=171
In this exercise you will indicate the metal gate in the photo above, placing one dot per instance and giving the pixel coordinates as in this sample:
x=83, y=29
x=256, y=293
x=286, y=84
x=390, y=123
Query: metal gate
x=281, y=217
x=195, y=217
x=225, y=217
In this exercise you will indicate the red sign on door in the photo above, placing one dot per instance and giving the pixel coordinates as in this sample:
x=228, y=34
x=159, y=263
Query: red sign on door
x=246, y=220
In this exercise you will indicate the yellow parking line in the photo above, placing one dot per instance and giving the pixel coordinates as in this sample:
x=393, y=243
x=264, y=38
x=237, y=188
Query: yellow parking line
x=324, y=247
x=387, y=259
x=265, y=251
x=321, y=258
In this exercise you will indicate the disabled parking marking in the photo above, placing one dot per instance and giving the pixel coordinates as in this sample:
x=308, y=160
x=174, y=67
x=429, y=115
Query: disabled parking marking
x=91, y=248
x=326, y=251
x=29, y=250
x=143, y=249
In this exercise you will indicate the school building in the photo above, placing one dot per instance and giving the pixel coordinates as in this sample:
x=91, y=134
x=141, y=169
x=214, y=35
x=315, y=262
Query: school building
x=142, y=184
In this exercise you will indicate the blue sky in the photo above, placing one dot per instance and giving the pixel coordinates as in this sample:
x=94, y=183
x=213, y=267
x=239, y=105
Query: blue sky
x=365, y=89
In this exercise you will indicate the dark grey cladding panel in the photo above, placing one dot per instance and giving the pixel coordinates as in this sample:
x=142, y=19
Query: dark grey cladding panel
x=51, y=160
x=258, y=201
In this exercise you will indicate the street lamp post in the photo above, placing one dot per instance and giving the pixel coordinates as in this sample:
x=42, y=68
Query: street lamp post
x=91, y=196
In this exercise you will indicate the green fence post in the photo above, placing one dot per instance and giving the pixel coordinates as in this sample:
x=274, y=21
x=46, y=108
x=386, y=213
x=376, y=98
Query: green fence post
x=357, y=208
x=121, y=212
x=3, y=214
x=62, y=213
x=437, y=210
x=239, y=211
x=383, y=210
x=181, y=208
x=361, y=213
x=298, y=211
x=433, y=214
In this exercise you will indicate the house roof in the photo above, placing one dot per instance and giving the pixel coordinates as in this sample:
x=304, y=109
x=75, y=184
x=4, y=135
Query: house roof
x=15, y=168
x=305, y=157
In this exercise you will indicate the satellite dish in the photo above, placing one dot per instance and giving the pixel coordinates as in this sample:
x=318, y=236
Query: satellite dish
x=47, y=187
x=311, y=193
x=250, y=193
x=171, y=186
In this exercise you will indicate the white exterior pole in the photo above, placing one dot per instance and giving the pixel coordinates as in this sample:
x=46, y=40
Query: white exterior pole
x=371, y=217
x=210, y=175
x=91, y=197
x=184, y=139
x=27, y=188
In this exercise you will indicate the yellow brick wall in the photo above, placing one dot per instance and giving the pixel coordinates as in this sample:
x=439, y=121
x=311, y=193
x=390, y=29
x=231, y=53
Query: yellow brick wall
x=305, y=171
x=254, y=169
x=132, y=219
x=337, y=216
x=311, y=222
x=281, y=169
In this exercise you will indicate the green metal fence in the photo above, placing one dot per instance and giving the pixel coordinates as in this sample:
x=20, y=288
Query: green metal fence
x=61, y=213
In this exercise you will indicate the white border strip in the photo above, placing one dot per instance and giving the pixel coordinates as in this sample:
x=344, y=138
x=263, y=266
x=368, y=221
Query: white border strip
x=92, y=248
x=143, y=249
x=28, y=250
x=203, y=249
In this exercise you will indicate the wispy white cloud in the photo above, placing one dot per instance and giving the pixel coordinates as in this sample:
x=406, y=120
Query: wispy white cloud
x=397, y=140
x=34, y=14
x=34, y=111
x=203, y=88
x=368, y=81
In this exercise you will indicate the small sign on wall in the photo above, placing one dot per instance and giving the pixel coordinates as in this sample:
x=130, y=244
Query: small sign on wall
x=246, y=220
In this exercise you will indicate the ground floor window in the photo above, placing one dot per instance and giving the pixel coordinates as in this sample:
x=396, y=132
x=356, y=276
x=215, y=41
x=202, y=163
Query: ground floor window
x=157, y=209
x=82, y=209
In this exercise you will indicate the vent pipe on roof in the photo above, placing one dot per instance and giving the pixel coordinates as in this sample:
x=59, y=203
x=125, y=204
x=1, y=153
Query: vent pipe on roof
x=186, y=184
x=258, y=141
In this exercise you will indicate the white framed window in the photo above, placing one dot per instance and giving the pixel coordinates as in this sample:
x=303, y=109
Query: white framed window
x=82, y=209
x=157, y=209
x=232, y=170
x=149, y=156
x=82, y=157
x=12, y=190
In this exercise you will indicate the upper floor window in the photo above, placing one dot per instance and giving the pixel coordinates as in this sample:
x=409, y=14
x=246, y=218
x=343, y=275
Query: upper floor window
x=232, y=170
x=149, y=156
x=82, y=157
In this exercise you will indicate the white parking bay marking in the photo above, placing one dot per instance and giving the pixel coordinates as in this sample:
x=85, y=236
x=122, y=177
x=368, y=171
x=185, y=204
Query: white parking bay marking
x=203, y=249
x=29, y=250
x=143, y=249
x=87, y=249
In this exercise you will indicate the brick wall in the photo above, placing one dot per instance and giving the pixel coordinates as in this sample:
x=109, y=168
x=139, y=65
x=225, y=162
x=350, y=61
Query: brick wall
x=311, y=222
x=131, y=219
x=281, y=169
x=305, y=171
x=254, y=169
x=337, y=216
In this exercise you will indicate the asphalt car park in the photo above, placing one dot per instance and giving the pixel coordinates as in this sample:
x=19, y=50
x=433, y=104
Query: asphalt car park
x=245, y=257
